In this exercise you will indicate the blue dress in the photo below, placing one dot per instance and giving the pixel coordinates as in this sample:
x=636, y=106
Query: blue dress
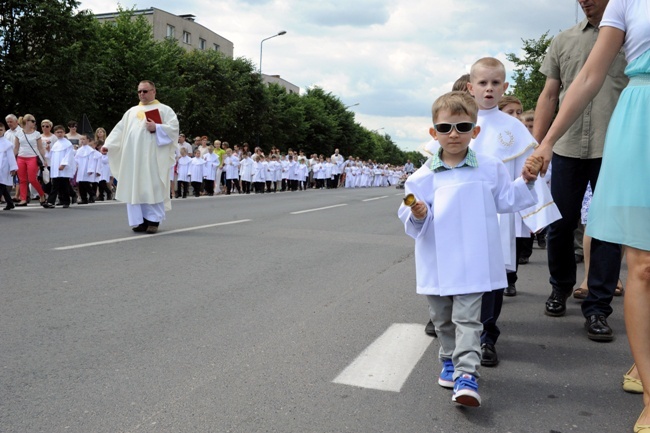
x=620, y=208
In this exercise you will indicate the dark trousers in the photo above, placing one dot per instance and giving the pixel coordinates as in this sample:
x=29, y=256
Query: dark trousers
x=230, y=183
x=4, y=191
x=246, y=186
x=196, y=187
x=85, y=191
x=60, y=189
x=183, y=189
x=209, y=186
x=570, y=178
x=104, y=189
x=259, y=187
x=293, y=184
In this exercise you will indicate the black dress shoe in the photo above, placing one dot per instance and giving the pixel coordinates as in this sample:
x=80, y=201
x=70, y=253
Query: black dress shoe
x=430, y=329
x=141, y=228
x=511, y=290
x=598, y=329
x=9, y=206
x=489, y=356
x=47, y=205
x=556, y=304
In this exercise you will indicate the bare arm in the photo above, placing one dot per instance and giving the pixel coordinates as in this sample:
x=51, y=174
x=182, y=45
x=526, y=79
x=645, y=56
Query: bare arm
x=583, y=89
x=545, y=108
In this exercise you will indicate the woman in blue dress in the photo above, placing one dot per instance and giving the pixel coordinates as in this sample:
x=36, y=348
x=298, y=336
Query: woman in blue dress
x=620, y=209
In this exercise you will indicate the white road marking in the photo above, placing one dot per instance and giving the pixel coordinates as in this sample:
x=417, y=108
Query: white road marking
x=388, y=361
x=317, y=209
x=147, y=236
x=375, y=198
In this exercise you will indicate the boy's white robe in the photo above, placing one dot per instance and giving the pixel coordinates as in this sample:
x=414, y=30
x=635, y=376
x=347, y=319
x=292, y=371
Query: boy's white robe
x=210, y=167
x=460, y=234
x=104, y=169
x=505, y=137
x=184, y=168
x=7, y=161
x=196, y=169
x=62, y=153
x=246, y=169
x=140, y=160
x=86, y=164
x=231, y=164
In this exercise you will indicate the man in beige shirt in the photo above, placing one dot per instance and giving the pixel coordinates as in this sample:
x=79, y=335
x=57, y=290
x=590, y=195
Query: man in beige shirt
x=576, y=161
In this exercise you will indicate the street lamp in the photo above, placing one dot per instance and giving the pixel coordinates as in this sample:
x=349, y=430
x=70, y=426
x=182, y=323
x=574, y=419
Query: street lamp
x=349, y=106
x=266, y=39
x=379, y=129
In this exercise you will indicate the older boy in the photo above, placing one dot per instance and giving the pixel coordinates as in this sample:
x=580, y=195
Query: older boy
x=460, y=191
x=506, y=138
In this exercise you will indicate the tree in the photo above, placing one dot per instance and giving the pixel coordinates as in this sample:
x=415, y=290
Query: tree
x=46, y=56
x=528, y=81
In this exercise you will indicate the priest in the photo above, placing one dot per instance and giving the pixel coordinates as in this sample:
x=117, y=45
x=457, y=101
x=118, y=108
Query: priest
x=141, y=150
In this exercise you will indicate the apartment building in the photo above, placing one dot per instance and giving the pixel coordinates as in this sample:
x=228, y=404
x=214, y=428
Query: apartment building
x=189, y=34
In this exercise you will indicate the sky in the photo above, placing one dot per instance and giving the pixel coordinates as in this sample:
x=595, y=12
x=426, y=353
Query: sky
x=391, y=57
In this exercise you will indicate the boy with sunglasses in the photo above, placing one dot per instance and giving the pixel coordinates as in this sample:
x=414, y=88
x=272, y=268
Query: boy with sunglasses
x=458, y=193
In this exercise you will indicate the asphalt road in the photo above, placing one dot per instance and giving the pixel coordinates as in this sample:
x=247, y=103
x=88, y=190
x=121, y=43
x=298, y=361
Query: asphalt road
x=241, y=312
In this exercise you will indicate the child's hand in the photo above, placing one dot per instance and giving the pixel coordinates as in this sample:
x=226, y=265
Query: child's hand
x=62, y=167
x=419, y=210
x=534, y=164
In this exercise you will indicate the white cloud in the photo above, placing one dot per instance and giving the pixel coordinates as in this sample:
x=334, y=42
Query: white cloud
x=393, y=57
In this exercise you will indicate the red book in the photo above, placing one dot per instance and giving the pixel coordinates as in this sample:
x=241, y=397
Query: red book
x=154, y=115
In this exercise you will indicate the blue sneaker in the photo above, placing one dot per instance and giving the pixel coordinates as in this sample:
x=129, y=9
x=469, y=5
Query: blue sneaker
x=466, y=391
x=446, y=378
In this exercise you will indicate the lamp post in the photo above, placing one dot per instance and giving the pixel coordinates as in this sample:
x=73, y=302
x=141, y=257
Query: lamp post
x=379, y=129
x=266, y=39
x=350, y=106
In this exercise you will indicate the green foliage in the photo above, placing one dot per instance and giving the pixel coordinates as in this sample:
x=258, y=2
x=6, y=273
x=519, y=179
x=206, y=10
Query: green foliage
x=60, y=64
x=528, y=81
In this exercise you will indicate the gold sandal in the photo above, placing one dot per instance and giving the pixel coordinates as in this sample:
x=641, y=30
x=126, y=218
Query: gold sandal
x=641, y=428
x=630, y=384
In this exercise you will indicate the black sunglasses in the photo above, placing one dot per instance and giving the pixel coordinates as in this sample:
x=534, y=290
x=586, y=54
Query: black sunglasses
x=461, y=127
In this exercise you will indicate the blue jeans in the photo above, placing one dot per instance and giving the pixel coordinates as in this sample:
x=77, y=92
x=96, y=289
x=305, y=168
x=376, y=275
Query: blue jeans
x=568, y=185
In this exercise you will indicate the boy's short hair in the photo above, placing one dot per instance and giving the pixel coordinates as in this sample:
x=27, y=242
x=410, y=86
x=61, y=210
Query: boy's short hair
x=509, y=99
x=58, y=128
x=455, y=103
x=460, y=84
x=487, y=62
x=528, y=116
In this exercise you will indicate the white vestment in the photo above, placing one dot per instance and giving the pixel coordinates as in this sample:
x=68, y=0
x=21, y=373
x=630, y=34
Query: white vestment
x=505, y=137
x=460, y=233
x=7, y=161
x=62, y=153
x=140, y=160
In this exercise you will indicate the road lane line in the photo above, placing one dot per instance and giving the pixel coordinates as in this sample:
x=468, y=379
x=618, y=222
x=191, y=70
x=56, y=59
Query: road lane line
x=388, y=361
x=375, y=198
x=317, y=209
x=147, y=236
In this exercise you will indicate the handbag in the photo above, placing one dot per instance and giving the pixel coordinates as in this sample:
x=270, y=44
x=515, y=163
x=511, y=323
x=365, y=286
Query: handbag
x=38, y=155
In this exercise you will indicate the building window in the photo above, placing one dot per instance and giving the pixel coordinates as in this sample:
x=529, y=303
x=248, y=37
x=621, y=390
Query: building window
x=201, y=44
x=216, y=47
x=187, y=38
x=171, y=31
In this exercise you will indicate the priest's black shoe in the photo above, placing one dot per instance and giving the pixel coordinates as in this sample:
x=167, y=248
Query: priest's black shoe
x=141, y=228
x=489, y=356
x=556, y=304
x=430, y=329
x=598, y=329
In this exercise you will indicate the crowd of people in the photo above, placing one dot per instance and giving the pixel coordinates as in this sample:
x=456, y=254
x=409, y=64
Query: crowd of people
x=79, y=170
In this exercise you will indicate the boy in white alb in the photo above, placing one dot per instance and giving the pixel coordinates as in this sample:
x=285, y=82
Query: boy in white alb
x=61, y=167
x=183, y=167
x=8, y=168
x=196, y=172
x=506, y=138
x=460, y=191
x=86, y=170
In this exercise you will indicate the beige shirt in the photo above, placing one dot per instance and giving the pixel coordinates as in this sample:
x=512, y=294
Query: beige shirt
x=569, y=50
